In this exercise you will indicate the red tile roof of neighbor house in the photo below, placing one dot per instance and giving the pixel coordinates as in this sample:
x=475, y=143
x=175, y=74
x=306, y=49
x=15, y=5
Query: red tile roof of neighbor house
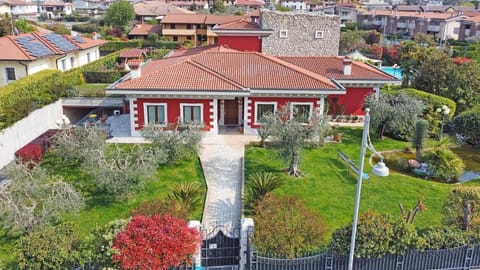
x=332, y=67
x=157, y=8
x=214, y=71
x=133, y=53
x=12, y=48
x=242, y=24
x=143, y=29
x=199, y=18
x=258, y=3
x=425, y=15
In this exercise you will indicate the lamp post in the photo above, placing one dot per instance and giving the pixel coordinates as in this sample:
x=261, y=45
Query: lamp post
x=379, y=169
x=443, y=111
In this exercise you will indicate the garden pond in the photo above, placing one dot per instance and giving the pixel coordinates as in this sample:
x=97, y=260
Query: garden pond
x=397, y=161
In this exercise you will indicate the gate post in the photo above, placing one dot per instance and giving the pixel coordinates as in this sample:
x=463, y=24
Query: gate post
x=197, y=257
x=247, y=226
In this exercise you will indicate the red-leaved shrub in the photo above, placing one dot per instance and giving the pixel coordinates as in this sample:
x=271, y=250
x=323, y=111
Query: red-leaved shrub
x=155, y=242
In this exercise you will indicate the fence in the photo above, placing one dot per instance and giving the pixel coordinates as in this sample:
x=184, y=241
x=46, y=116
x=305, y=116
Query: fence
x=461, y=258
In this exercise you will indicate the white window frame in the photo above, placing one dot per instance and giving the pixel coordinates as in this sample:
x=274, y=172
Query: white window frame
x=310, y=113
x=319, y=34
x=72, y=62
x=182, y=105
x=63, y=63
x=145, y=113
x=275, y=104
x=14, y=73
x=283, y=33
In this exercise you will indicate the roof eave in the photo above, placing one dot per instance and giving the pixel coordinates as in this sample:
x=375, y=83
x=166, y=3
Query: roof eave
x=178, y=92
x=368, y=81
x=243, y=32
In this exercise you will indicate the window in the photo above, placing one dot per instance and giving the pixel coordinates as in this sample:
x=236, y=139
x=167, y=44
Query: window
x=175, y=38
x=72, y=62
x=155, y=113
x=63, y=63
x=189, y=26
x=172, y=26
x=302, y=111
x=88, y=58
x=263, y=108
x=10, y=74
x=191, y=113
x=318, y=34
x=283, y=33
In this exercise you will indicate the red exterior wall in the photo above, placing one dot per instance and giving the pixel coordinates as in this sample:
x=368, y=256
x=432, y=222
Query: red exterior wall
x=173, y=110
x=280, y=103
x=253, y=44
x=353, y=100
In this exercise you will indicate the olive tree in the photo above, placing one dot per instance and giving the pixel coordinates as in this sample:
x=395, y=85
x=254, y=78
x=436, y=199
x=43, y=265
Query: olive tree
x=31, y=198
x=394, y=114
x=290, y=132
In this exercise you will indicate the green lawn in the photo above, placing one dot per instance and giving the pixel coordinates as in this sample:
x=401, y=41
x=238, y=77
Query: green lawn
x=100, y=211
x=328, y=187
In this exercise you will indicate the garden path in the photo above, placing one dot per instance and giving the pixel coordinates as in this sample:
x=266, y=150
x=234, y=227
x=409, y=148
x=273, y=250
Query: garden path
x=221, y=158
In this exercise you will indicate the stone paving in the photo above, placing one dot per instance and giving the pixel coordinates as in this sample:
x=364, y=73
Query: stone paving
x=221, y=159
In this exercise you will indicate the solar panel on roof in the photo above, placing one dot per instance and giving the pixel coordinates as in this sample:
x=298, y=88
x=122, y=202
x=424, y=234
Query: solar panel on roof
x=32, y=46
x=60, y=42
x=79, y=39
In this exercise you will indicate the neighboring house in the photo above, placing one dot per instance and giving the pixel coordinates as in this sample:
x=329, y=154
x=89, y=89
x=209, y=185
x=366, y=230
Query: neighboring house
x=442, y=26
x=26, y=54
x=91, y=5
x=295, y=5
x=141, y=31
x=52, y=8
x=249, y=4
x=302, y=34
x=242, y=35
x=457, y=10
x=5, y=8
x=156, y=10
x=469, y=28
x=132, y=58
x=222, y=87
x=196, y=28
x=347, y=13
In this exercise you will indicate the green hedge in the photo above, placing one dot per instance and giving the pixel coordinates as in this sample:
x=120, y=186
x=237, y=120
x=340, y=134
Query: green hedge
x=103, y=76
x=113, y=46
x=21, y=97
x=85, y=27
x=161, y=44
x=432, y=102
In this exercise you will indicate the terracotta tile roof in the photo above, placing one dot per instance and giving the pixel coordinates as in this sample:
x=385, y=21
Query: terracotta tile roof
x=199, y=19
x=239, y=25
x=220, y=71
x=145, y=29
x=254, y=13
x=157, y=8
x=426, y=15
x=475, y=19
x=193, y=76
x=181, y=55
x=133, y=53
x=12, y=48
x=258, y=3
x=332, y=67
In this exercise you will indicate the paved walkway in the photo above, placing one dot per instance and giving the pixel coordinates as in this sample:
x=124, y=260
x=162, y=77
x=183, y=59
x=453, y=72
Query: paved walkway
x=221, y=158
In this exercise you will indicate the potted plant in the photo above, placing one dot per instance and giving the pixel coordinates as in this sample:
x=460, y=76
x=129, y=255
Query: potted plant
x=103, y=118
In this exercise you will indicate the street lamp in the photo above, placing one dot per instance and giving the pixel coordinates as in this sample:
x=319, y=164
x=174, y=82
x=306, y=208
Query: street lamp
x=444, y=111
x=379, y=169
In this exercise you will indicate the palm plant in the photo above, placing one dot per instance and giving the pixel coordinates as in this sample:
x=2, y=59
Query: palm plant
x=444, y=163
x=261, y=183
x=187, y=195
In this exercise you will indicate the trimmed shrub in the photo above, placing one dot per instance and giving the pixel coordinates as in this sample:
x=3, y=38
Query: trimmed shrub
x=107, y=76
x=19, y=98
x=432, y=103
x=114, y=46
x=466, y=126
x=444, y=163
x=85, y=27
x=443, y=238
x=454, y=208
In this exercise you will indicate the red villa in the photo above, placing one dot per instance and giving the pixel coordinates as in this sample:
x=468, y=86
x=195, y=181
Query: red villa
x=224, y=87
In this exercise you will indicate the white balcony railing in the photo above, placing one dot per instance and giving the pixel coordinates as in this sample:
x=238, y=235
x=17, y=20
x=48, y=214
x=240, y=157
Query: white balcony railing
x=434, y=28
x=401, y=25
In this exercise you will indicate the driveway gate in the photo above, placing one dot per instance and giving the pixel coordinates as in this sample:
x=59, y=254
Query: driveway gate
x=221, y=249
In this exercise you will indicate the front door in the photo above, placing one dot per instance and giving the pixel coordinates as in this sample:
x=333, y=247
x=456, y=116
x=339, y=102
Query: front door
x=230, y=112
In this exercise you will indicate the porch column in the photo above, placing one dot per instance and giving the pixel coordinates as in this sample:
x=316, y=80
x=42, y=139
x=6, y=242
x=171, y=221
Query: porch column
x=214, y=116
x=222, y=113
x=134, y=117
x=247, y=113
x=377, y=92
x=321, y=106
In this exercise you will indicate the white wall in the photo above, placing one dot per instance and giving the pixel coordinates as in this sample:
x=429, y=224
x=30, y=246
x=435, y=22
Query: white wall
x=20, y=71
x=82, y=56
x=27, y=129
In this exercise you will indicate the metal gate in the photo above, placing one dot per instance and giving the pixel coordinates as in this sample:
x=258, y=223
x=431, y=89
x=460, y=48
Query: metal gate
x=221, y=249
